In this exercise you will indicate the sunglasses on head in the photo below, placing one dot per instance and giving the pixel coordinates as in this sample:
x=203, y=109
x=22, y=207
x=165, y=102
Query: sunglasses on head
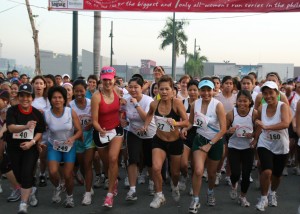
x=107, y=71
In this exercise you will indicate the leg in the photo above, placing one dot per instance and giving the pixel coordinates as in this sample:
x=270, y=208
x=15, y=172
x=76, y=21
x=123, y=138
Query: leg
x=199, y=158
x=88, y=171
x=234, y=158
x=247, y=158
x=158, y=158
x=175, y=168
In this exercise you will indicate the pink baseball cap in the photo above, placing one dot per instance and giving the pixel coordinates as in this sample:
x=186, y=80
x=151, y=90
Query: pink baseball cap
x=107, y=72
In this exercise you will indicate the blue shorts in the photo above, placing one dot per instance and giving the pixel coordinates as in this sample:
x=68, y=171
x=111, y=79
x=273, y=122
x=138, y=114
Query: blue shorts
x=65, y=157
x=88, y=143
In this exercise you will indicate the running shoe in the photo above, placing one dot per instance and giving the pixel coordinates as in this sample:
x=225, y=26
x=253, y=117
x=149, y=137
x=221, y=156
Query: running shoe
x=14, y=196
x=262, y=204
x=272, y=199
x=126, y=182
x=218, y=178
x=182, y=183
x=87, y=199
x=69, y=202
x=141, y=179
x=158, y=201
x=43, y=181
x=194, y=206
x=97, y=183
x=22, y=208
x=33, y=201
x=56, y=198
x=131, y=196
x=108, y=202
x=211, y=200
x=243, y=201
x=151, y=187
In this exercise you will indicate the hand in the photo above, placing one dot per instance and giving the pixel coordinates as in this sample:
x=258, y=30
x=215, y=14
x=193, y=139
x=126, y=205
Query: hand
x=88, y=126
x=171, y=121
x=31, y=124
x=102, y=132
x=144, y=129
x=253, y=144
x=133, y=101
x=260, y=124
x=205, y=148
x=41, y=111
x=123, y=101
x=231, y=130
x=183, y=133
x=26, y=145
x=249, y=135
x=124, y=123
x=70, y=141
x=41, y=147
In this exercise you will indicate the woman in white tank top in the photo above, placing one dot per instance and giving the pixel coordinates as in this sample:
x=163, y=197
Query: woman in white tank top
x=240, y=123
x=273, y=144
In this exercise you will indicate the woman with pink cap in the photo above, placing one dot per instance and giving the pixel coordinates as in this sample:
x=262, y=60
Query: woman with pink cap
x=108, y=134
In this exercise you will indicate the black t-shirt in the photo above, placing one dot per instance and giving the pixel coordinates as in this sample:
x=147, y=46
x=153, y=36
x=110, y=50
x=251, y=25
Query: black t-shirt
x=16, y=116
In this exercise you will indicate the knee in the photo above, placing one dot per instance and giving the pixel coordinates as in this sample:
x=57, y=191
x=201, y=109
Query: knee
x=113, y=160
x=156, y=169
x=198, y=172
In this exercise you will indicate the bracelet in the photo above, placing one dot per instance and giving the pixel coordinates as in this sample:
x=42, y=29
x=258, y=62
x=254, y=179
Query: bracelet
x=211, y=143
x=175, y=123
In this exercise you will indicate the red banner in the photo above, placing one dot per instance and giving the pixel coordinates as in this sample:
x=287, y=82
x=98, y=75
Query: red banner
x=178, y=5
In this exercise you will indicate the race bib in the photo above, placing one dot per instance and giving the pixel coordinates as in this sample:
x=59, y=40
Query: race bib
x=200, y=121
x=85, y=120
x=61, y=146
x=241, y=131
x=108, y=136
x=138, y=132
x=163, y=125
x=273, y=136
x=26, y=134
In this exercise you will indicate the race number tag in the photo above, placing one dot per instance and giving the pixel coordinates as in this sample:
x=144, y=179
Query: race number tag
x=108, y=136
x=241, y=131
x=200, y=121
x=61, y=146
x=26, y=134
x=85, y=120
x=163, y=125
x=137, y=131
x=273, y=136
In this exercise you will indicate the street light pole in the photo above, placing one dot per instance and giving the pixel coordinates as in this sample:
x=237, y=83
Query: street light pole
x=195, y=47
x=111, y=44
x=173, y=49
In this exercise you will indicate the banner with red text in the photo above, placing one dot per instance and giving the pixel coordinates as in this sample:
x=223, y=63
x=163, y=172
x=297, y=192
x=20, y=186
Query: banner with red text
x=178, y=5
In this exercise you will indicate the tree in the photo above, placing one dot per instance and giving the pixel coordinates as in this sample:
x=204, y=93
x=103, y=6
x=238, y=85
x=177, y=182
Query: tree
x=35, y=37
x=166, y=34
x=194, y=65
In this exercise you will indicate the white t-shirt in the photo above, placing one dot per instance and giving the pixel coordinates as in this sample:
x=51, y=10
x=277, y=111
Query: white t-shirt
x=41, y=103
x=135, y=121
x=84, y=115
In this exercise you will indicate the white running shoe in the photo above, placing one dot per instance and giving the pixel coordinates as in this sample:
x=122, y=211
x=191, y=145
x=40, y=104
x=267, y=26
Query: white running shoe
x=22, y=208
x=205, y=175
x=243, y=201
x=131, y=196
x=69, y=202
x=233, y=193
x=33, y=201
x=182, y=183
x=228, y=181
x=126, y=182
x=87, y=199
x=285, y=171
x=98, y=182
x=56, y=198
x=176, y=193
x=211, y=200
x=191, y=191
x=262, y=204
x=218, y=178
x=158, y=201
x=194, y=206
x=272, y=198
x=141, y=179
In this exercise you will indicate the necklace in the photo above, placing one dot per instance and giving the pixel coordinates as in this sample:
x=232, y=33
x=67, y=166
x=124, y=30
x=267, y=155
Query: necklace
x=105, y=95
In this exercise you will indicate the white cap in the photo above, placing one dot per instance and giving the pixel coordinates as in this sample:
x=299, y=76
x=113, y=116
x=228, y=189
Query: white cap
x=66, y=75
x=269, y=84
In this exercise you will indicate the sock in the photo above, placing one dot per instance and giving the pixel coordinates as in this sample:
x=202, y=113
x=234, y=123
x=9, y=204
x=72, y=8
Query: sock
x=210, y=191
x=160, y=194
x=265, y=198
x=69, y=196
x=196, y=199
x=88, y=193
x=132, y=189
x=272, y=192
x=110, y=194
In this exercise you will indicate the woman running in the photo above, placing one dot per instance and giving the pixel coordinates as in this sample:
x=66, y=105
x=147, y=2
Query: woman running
x=64, y=129
x=208, y=115
x=273, y=143
x=169, y=114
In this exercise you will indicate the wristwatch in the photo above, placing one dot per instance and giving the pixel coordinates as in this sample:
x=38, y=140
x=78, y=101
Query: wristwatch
x=136, y=105
x=211, y=143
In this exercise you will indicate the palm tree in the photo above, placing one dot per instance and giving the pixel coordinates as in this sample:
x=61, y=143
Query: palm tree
x=194, y=65
x=166, y=34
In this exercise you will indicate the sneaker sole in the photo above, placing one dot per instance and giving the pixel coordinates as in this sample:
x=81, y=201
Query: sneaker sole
x=193, y=210
x=106, y=205
x=131, y=199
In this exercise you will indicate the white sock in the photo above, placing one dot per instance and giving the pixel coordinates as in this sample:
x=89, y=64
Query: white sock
x=132, y=189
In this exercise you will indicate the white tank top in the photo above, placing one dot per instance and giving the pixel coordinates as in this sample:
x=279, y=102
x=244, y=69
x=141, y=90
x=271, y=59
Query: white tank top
x=276, y=141
x=60, y=128
x=136, y=122
x=243, y=124
x=84, y=115
x=207, y=125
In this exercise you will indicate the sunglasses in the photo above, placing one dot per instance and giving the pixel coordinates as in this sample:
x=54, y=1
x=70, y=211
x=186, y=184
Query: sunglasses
x=107, y=71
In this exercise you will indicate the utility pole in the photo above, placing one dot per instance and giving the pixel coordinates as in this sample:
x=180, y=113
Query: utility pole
x=97, y=42
x=75, y=46
x=173, y=49
x=35, y=37
x=195, y=48
x=111, y=44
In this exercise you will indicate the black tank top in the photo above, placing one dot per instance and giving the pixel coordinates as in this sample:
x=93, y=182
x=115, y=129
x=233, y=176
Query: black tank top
x=172, y=113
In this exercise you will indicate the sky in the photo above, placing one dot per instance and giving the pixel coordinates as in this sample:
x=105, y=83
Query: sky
x=242, y=38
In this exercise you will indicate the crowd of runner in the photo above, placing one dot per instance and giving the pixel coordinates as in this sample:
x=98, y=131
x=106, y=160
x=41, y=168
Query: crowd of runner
x=52, y=127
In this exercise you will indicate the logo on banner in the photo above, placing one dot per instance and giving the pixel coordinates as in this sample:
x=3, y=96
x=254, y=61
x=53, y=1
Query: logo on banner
x=59, y=4
x=75, y=4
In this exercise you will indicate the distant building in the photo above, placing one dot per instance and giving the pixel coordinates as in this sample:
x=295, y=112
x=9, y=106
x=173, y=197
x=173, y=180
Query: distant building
x=7, y=65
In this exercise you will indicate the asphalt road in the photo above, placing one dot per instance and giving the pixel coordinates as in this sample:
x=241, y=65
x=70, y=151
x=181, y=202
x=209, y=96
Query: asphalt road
x=288, y=200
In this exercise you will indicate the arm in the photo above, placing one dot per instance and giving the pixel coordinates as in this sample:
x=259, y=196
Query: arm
x=182, y=113
x=222, y=120
x=257, y=102
x=139, y=109
x=94, y=110
x=13, y=128
x=297, y=115
x=229, y=120
x=77, y=126
x=150, y=114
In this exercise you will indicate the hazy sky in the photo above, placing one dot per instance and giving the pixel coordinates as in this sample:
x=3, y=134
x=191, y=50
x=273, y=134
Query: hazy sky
x=242, y=38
